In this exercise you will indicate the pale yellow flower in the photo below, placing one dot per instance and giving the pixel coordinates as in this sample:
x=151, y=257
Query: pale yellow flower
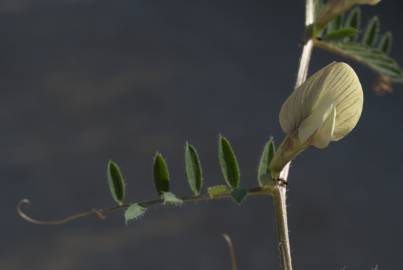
x=325, y=108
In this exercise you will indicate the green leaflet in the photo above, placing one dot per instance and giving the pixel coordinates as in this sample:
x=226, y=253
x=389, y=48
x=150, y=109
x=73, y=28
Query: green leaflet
x=354, y=19
x=116, y=182
x=239, y=194
x=133, y=212
x=371, y=34
x=170, y=198
x=217, y=191
x=340, y=34
x=161, y=174
x=339, y=22
x=333, y=26
x=385, y=44
x=228, y=163
x=263, y=173
x=193, y=169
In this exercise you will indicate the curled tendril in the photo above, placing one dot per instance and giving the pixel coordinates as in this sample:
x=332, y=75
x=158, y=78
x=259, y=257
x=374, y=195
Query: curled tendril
x=99, y=213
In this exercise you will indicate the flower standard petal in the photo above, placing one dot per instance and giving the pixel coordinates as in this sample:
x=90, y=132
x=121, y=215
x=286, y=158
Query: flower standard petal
x=344, y=88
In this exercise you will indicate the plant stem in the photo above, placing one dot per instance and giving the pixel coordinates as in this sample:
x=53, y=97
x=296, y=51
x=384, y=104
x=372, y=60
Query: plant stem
x=231, y=251
x=280, y=190
x=101, y=213
x=280, y=211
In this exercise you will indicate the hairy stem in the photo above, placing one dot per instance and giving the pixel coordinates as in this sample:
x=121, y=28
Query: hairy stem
x=102, y=212
x=280, y=191
x=280, y=209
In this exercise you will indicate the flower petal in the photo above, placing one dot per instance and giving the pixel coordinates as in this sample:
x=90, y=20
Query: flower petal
x=325, y=134
x=337, y=83
x=344, y=88
x=302, y=100
x=314, y=121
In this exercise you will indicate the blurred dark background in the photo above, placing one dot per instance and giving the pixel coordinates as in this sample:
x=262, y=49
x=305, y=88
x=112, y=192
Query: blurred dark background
x=84, y=81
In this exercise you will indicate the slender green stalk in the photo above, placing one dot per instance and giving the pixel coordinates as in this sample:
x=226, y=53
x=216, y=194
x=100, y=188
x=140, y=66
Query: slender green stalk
x=101, y=213
x=280, y=190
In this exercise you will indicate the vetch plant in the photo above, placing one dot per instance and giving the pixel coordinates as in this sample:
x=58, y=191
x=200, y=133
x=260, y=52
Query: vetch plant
x=322, y=109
